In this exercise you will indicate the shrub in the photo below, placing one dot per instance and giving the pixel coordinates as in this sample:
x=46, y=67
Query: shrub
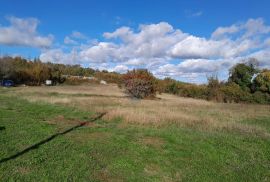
x=194, y=91
x=232, y=92
x=262, y=82
x=139, y=83
x=213, y=89
x=261, y=98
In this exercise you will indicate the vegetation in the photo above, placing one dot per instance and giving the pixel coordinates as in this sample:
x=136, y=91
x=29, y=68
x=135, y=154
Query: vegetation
x=246, y=82
x=242, y=74
x=139, y=84
x=171, y=139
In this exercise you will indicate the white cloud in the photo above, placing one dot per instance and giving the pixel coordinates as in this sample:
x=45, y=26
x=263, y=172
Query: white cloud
x=78, y=35
x=263, y=56
x=23, y=32
x=58, y=56
x=68, y=40
x=222, y=31
x=196, y=47
x=169, y=51
x=253, y=27
x=100, y=53
x=119, y=69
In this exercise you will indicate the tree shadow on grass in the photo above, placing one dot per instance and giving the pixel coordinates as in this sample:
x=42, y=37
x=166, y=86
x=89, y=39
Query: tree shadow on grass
x=36, y=145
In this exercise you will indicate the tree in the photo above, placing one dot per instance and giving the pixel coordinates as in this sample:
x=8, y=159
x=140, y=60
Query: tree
x=242, y=73
x=213, y=87
x=262, y=81
x=139, y=83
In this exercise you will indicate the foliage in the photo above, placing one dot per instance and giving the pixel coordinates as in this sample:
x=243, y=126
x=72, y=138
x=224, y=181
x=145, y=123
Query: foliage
x=261, y=98
x=246, y=83
x=139, y=83
x=213, y=89
x=262, y=82
x=192, y=90
x=242, y=73
x=233, y=93
x=107, y=152
x=23, y=71
x=109, y=77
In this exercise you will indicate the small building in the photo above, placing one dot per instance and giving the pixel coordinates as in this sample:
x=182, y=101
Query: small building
x=7, y=83
x=103, y=82
x=48, y=82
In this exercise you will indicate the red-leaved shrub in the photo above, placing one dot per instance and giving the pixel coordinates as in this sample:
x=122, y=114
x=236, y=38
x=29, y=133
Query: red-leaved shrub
x=140, y=84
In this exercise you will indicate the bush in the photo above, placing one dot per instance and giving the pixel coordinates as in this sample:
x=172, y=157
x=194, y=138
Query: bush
x=194, y=91
x=262, y=82
x=261, y=98
x=232, y=92
x=213, y=89
x=140, y=84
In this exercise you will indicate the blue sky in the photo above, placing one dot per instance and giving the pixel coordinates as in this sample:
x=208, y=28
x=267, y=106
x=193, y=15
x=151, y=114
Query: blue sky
x=186, y=40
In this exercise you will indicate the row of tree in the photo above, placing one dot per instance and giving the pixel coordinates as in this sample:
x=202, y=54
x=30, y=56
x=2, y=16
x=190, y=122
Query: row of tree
x=246, y=82
x=35, y=72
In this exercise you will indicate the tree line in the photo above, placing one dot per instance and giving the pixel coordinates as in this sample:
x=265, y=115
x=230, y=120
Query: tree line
x=246, y=82
x=35, y=72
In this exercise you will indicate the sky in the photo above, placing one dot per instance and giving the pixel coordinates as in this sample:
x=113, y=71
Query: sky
x=185, y=40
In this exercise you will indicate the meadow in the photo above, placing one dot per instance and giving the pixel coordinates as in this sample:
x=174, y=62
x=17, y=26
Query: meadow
x=169, y=138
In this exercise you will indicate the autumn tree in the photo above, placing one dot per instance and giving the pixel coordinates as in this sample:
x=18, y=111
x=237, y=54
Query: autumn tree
x=262, y=81
x=139, y=83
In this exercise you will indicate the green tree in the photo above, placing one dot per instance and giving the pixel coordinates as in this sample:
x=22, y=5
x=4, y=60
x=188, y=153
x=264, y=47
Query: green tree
x=242, y=73
x=262, y=81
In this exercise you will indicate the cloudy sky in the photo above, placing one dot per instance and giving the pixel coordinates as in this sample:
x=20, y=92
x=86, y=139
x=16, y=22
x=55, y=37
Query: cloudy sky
x=185, y=40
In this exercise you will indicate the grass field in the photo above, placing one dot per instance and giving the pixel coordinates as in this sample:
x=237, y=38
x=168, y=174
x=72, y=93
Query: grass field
x=167, y=139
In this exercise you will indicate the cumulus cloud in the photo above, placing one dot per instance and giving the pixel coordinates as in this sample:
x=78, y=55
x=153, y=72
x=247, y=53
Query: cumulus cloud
x=253, y=27
x=167, y=51
x=59, y=56
x=119, y=69
x=222, y=31
x=23, y=32
x=199, y=66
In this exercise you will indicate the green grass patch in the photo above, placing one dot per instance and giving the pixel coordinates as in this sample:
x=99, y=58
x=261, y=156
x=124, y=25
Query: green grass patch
x=111, y=151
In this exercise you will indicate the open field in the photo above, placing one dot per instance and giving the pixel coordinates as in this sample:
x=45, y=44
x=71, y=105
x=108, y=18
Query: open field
x=167, y=139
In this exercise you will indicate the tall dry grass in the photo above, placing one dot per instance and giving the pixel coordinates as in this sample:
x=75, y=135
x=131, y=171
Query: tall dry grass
x=168, y=109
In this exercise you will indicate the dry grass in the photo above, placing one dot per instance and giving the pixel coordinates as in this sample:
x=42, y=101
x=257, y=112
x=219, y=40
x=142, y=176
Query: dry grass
x=168, y=109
